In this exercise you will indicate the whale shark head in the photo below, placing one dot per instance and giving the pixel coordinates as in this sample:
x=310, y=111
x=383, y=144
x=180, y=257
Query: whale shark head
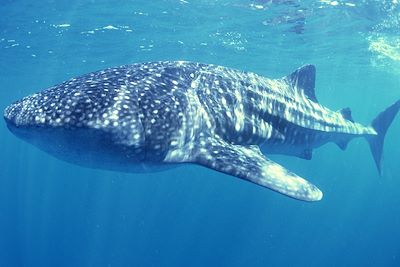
x=43, y=120
x=80, y=123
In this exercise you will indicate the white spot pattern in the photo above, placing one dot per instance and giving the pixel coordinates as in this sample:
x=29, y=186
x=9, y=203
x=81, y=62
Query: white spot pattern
x=188, y=112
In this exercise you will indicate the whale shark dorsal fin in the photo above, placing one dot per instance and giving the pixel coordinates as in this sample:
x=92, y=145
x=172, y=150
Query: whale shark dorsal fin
x=304, y=79
x=248, y=163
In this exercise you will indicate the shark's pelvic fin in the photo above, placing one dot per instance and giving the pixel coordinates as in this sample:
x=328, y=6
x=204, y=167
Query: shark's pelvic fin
x=248, y=163
x=342, y=144
x=380, y=124
x=304, y=79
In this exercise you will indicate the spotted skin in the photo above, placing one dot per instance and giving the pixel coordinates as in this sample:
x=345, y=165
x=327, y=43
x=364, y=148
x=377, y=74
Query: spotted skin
x=147, y=116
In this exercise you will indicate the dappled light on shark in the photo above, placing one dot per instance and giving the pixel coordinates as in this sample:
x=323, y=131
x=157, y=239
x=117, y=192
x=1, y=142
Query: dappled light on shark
x=152, y=116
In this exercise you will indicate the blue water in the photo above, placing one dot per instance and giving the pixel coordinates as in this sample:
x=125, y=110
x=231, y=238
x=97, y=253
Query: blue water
x=56, y=214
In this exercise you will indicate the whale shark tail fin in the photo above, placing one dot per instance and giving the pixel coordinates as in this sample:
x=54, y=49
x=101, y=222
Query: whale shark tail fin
x=380, y=124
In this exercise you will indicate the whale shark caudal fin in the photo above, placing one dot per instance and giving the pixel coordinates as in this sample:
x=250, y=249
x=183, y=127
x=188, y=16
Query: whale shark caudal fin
x=380, y=124
x=248, y=163
x=303, y=79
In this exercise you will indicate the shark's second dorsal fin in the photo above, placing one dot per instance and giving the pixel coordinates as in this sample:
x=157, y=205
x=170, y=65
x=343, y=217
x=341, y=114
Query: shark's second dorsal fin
x=304, y=79
x=346, y=114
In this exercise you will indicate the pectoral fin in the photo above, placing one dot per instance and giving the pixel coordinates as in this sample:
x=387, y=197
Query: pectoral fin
x=248, y=163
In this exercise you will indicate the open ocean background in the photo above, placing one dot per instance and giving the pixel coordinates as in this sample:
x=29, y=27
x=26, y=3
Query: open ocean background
x=56, y=214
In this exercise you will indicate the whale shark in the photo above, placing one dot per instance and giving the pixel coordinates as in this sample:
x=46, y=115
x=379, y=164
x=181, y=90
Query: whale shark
x=152, y=116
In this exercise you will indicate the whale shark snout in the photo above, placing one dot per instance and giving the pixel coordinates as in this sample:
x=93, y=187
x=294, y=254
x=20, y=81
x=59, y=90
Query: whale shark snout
x=11, y=113
x=17, y=119
x=22, y=119
x=24, y=112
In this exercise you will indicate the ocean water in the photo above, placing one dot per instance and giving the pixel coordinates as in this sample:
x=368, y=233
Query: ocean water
x=53, y=213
